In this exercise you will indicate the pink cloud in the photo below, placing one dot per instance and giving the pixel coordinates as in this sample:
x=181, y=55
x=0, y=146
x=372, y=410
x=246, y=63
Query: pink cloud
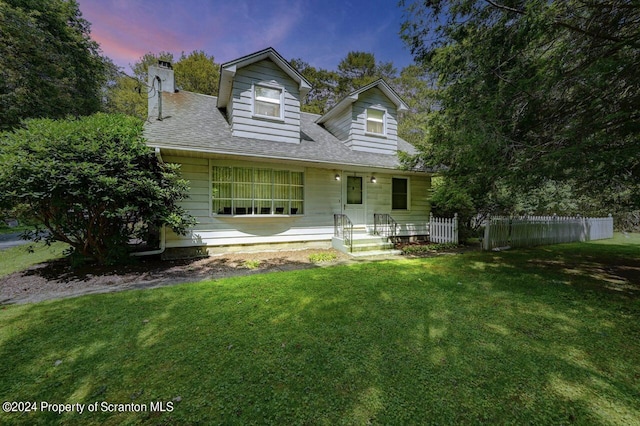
x=128, y=30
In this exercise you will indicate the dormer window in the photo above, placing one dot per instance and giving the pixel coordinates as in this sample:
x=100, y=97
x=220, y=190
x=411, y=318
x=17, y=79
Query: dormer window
x=376, y=121
x=267, y=102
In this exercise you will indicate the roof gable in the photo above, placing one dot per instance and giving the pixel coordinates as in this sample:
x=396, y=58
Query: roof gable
x=228, y=71
x=355, y=95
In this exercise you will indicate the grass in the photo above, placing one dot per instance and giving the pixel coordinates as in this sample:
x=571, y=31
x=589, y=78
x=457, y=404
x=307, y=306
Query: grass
x=21, y=257
x=541, y=336
x=4, y=229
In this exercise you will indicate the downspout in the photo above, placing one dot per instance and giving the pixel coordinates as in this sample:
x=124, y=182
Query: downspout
x=152, y=252
x=163, y=242
x=159, y=98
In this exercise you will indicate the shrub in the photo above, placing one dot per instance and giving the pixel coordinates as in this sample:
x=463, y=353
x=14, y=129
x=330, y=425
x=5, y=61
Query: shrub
x=91, y=182
x=322, y=257
x=252, y=263
x=426, y=248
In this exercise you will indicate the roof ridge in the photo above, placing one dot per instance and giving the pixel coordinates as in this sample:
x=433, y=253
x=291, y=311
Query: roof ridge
x=194, y=93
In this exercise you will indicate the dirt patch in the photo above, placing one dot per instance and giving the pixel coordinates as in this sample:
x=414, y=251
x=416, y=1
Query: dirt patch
x=56, y=280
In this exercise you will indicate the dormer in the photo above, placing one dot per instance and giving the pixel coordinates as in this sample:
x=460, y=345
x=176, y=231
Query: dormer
x=367, y=119
x=261, y=94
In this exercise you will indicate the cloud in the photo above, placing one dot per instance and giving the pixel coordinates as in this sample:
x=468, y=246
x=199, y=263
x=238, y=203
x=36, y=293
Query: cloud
x=319, y=32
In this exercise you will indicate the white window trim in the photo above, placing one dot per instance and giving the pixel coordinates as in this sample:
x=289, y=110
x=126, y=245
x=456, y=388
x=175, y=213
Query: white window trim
x=254, y=98
x=249, y=165
x=383, y=121
x=408, y=179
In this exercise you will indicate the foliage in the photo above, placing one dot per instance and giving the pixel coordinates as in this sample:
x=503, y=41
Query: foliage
x=532, y=92
x=49, y=66
x=322, y=257
x=126, y=95
x=356, y=70
x=416, y=87
x=197, y=72
x=417, y=249
x=322, y=95
x=448, y=199
x=92, y=182
x=521, y=337
x=252, y=263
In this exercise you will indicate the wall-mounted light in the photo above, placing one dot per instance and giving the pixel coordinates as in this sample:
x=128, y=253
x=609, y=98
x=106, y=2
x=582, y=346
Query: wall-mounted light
x=373, y=179
x=337, y=176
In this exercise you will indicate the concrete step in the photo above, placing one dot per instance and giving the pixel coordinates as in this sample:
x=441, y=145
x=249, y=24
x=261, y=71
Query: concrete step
x=376, y=246
x=365, y=245
x=375, y=253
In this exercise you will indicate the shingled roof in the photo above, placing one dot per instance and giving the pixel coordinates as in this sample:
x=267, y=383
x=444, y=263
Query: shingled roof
x=192, y=122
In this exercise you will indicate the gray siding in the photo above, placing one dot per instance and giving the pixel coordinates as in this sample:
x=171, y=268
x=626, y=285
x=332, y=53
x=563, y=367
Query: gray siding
x=340, y=126
x=244, y=124
x=414, y=220
x=360, y=141
x=323, y=196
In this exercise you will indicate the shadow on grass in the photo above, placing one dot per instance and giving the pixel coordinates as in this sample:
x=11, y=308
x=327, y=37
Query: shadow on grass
x=484, y=338
x=610, y=268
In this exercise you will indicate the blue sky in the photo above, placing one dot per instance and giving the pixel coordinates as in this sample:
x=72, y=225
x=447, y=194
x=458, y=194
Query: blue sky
x=321, y=32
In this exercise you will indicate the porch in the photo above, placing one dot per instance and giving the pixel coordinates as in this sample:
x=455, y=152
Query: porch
x=381, y=239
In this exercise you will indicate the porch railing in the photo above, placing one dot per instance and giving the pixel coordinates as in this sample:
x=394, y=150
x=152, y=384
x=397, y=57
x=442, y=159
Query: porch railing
x=343, y=228
x=384, y=225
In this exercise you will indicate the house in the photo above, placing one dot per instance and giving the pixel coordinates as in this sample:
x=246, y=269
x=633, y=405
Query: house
x=263, y=172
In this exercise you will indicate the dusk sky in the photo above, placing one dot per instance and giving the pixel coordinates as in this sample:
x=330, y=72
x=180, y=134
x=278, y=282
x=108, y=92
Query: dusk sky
x=321, y=32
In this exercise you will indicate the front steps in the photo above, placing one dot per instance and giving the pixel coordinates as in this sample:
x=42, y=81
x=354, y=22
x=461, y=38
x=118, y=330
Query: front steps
x=365, y=245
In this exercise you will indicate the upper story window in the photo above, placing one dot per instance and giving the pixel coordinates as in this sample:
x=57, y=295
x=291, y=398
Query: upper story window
x=376, y=121
x=267, y=101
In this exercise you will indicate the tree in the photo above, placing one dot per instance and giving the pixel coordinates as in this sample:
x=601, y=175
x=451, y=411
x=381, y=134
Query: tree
x=126, y=95
x=532, y=92
x=417, y=88
x=197, y=72
x=91, y=182
x=322, y=95
x=358, y=69
x=49, y=66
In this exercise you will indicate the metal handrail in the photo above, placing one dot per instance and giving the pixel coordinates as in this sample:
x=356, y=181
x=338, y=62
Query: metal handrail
x=343, y=228
x=384, y=225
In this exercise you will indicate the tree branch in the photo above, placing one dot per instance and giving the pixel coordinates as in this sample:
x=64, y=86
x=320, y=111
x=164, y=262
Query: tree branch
x=503, y=7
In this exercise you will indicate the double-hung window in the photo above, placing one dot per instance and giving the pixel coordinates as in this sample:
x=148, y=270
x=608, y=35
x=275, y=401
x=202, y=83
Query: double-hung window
x=267, y=101
x=376, y=121
x=256, y=191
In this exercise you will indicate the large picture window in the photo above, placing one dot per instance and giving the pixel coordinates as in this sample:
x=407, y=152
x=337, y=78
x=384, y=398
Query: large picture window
x=399, y=194
x=256, y=191
x=267, y=101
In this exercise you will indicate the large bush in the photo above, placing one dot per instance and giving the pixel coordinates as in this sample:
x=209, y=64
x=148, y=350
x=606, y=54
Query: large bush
x=92, y=183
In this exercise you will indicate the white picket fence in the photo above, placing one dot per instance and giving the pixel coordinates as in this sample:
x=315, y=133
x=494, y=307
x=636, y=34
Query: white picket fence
x=529, y=231
x=443, y=230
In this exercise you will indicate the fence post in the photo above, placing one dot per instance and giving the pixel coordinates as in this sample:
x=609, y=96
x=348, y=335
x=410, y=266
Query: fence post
x=431, y=230
x=485, y=240
x=455, y=228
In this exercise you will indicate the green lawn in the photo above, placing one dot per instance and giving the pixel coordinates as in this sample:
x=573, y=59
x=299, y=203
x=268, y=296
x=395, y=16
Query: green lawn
x=541, y=336
x=21, y=257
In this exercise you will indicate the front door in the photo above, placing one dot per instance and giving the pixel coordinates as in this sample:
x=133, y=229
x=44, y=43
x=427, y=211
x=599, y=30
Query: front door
x=354, y=199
